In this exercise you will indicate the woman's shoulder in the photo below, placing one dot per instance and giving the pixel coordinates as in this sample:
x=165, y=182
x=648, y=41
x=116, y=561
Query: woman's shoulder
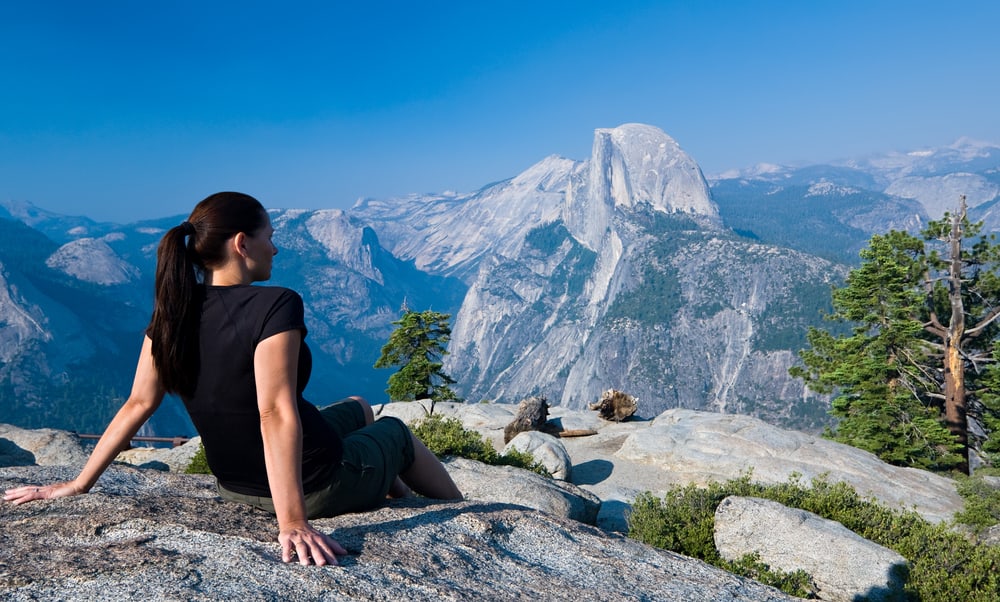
x=257, y=298
x=277, y=297
x=253, y=291
x=275, y=291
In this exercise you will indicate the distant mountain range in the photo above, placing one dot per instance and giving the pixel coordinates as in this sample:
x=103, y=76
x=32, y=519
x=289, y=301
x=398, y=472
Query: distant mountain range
x=627, y=270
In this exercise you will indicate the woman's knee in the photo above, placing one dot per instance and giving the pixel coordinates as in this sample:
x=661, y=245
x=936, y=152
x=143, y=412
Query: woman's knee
x=365, y=407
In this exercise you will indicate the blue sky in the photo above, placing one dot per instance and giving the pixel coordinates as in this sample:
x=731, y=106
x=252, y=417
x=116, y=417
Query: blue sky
x=128, y=110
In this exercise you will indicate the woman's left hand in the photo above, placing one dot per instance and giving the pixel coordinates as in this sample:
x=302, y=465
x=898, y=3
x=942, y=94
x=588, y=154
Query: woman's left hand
x=308, y=546
x=28, y=493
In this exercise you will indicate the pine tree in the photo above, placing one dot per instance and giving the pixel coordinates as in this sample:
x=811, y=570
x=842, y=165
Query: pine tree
x=924, y=317
x=417, y=345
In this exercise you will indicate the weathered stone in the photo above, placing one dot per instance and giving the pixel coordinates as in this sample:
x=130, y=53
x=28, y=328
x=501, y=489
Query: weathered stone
x=44, y=447
x=990, y=536
x=844, y=566
x=699, y=447
x=575, y=420
x=175, y=459
x=509, y=485
x=149, y=535
x=546, y=450
x=993, y=482
x=407, y=411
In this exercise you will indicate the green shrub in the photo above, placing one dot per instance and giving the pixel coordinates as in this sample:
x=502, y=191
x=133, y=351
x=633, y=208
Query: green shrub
x=199, y=464
x=796, y=583
x=982, y=503
x=944, y=565
x=447, y=437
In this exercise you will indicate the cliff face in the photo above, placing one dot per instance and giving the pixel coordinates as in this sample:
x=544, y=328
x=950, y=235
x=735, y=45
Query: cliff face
x=630, y=167
x=636, y=286
x=677, y=315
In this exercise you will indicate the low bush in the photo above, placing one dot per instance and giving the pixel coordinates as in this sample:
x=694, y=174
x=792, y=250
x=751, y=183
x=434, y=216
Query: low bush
x=447, y=437
x=982, y=503
x=199, y=464
x=944, y=565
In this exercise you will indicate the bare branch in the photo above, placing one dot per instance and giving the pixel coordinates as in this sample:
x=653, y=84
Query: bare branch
x=986, y=321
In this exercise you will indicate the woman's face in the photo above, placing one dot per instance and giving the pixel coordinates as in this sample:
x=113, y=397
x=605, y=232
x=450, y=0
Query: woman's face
x=261, y=252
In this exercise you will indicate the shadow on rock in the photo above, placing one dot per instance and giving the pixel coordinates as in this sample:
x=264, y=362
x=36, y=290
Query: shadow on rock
x=592, y=472
x=12, y=455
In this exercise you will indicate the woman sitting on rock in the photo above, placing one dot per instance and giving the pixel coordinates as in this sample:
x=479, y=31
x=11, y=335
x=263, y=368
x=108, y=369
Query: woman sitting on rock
x=236, y=355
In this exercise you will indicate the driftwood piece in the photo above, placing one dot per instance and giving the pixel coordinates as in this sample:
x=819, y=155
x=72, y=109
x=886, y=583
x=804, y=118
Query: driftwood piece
x=575, y=433
x=615, y=405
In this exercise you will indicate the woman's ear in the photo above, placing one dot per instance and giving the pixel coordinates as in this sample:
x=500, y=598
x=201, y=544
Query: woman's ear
x=240, y=244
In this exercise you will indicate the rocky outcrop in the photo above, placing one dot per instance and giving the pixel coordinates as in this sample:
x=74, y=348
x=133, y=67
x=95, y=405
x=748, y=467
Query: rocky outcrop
x=42, y=447
x=844, y=566
x=509, y=485
x=619, y=461
x=175, y=459
x=154, y=535
x=546, y=450
x=681, y=447
x=158, y=525
x=697, y=447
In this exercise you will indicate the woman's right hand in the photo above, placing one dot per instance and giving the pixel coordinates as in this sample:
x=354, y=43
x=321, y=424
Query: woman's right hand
x=301, y=542
x=28, y=493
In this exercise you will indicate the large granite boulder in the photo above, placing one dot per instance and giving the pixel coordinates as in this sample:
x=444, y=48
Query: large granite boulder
x=44, y=447
x=509, y=485
x=844, y=566
x=546, y=450
x=174, y=459
x=145, y=534
x=697, y=447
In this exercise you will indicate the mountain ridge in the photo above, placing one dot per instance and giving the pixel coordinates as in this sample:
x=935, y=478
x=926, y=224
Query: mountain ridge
x=627, y=269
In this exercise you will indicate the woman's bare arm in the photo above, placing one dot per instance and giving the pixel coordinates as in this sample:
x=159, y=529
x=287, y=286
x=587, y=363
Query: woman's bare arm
x=275, y=369
x=147, y=394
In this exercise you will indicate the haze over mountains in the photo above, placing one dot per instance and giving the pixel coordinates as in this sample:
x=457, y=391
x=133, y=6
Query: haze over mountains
x=627, y=270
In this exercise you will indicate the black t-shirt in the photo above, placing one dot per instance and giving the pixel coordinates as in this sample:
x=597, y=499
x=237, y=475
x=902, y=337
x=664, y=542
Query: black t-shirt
x=224, y=407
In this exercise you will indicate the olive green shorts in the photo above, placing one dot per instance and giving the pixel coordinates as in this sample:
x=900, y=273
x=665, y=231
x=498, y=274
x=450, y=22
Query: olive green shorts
x=373, y=456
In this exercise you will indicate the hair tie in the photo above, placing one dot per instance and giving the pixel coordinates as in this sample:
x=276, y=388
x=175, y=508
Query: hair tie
x=187, y=228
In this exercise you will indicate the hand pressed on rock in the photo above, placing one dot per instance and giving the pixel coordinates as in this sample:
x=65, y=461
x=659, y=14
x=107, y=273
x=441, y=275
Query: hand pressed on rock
x=308, y=546
x=28, y=493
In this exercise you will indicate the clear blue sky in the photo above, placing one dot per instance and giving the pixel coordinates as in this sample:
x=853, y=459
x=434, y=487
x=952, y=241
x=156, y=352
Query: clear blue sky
x=125, y=110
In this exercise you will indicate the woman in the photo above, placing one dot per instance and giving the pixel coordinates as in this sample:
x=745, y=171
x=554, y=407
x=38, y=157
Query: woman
x=235, y=354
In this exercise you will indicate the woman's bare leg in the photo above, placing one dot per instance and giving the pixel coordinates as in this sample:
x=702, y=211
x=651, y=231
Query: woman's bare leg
x=398, y=489
x=427, y=476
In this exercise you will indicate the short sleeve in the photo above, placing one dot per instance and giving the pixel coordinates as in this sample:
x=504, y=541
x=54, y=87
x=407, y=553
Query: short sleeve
x=285, y=313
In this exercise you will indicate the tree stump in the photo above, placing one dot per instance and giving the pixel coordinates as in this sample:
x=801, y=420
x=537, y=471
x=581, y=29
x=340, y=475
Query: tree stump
x=532, y=415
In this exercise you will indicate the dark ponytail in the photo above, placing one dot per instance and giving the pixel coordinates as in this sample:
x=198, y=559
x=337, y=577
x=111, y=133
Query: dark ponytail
x=185, y=252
